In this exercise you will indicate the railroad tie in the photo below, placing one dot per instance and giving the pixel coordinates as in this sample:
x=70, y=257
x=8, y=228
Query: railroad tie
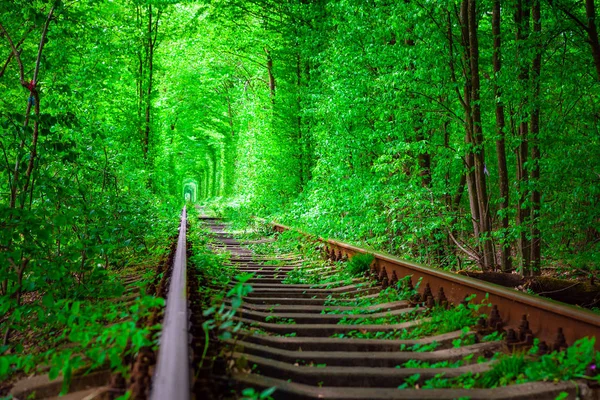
x=311, y=341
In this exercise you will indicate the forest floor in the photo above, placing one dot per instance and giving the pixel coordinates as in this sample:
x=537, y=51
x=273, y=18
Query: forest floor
x=575, y=289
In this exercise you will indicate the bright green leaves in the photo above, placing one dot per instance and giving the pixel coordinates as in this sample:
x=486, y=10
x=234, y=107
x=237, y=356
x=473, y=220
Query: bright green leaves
x=100, y=331
x=573, y=363
x=221, y=317
x=360, y=264
x=67, y=373
x=252, y=394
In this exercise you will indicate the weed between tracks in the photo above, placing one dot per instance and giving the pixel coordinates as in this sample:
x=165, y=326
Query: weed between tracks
x=216, y=299
x=579, y=361
x=433, y=321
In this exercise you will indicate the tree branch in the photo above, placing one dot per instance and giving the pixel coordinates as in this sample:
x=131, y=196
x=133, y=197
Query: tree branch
x=11, y=55
x=15, y=54
x=472, y=254
x=570, y=15
x=36, y=96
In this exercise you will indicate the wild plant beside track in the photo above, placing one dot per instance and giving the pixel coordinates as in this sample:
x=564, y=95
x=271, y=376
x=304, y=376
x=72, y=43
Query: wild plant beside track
x=577, y=362
x=221, y=303
x=84, y=336
x=71, y=323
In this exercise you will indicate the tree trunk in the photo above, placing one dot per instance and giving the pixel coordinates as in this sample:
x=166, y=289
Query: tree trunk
x=140, y=80
x=505, y=258
x=271, y=76
x=522, y=23
x=479, y=153
x=150, y=62
x=215, y=184
x=470, y=156
x=592, y=31
x=535, y=149
x=299, y=138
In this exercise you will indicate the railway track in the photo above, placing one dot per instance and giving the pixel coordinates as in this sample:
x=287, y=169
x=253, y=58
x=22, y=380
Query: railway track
x=307, y=331
x=344, y=340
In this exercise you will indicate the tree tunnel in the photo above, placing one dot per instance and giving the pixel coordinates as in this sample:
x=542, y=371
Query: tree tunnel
x=190, y=190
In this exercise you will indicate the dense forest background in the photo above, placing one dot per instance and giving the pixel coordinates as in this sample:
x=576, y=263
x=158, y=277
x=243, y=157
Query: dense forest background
x=449, y=132
x=446, y=132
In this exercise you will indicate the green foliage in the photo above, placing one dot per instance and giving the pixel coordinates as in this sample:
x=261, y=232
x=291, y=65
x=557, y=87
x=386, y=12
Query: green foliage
x=97, y=334
x=402, y=291
x=252, y=394
x=219, y=317
x=341, y=118
x=359, y=264
x=278, y=320
x=572, y=363
x=439, y=320
x=410, y=381
x=354, y=127
x=80, y=208
x=505, y=371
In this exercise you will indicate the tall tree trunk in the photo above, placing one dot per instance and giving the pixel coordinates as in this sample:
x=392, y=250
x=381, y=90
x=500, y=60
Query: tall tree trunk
x=470, y=156
x=523, y=213
x=505, y=258
x=229, y=156
x=463, y=179
x=215, y=184
x=148, y=102
x=140, y=78
x=271, y=76
x=423, y=157
x=535, y=149
x=424, y=162
x=592, y=31
x=479, y=153
x=299, y=138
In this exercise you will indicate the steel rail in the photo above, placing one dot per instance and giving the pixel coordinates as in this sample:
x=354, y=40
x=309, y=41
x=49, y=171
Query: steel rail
x=550, y=321
x=172, y=377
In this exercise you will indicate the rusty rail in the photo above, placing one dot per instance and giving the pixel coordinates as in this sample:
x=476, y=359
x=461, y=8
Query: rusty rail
x=172, y=377
x=523, y=316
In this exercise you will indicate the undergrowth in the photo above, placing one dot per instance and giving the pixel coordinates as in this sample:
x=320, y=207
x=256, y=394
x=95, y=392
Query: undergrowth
x=576, y=362
x=96, y=323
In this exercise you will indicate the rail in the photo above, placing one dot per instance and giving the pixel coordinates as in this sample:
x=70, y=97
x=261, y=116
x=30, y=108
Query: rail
x=172, y=376
x=524, y=316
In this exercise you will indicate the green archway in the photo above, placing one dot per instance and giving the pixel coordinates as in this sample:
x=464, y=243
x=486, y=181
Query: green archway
x=190, y=190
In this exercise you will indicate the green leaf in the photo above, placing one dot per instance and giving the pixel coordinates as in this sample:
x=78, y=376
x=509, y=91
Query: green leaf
x=67, y=374
x=267, y=392
x=48, y=300
x=53, y=373
x=226, y=325
x=126, y=396
x=4, y=366
x=225, y=335
x=75, y=308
